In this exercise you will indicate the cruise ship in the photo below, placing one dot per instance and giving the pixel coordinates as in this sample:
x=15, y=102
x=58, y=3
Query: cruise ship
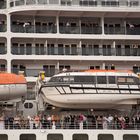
x=53, y=36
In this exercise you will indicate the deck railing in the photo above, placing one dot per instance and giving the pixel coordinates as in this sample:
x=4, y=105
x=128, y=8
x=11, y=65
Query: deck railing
x=72, y=30
x=83, y=3
x=76, y=51
x=48, y=124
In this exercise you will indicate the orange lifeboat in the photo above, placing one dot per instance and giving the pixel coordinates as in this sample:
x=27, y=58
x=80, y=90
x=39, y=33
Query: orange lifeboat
x=12, y=86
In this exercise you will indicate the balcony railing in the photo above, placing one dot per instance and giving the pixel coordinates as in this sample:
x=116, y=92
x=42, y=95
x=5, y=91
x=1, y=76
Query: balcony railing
x=33, y=29
x=77, y=51
x=34, y=72
x=115, y=30
x=69, y=30
x=72, y=30
x=85, y=3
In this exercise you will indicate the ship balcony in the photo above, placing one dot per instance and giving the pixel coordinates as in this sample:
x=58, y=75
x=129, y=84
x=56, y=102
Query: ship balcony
x=82, y=3
x=75, y=51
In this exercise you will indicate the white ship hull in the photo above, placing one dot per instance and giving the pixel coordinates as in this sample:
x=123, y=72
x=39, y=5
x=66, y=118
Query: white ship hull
x=42, y=134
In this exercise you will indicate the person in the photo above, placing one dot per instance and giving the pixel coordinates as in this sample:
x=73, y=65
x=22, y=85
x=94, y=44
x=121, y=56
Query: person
x=105, y=124
x=110, y=121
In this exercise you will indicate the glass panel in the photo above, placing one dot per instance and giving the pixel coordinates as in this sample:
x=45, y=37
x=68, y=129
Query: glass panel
x=22, y=49
x=121, y=79
x=37, y=49
x=60, y=49
x=67, y=50
x=105, y=137
x=118, y=50
x=42, y=49
x=54, y=137
x=101, y=80
x=28, y=49
x=15, y=48
x=127, y=50
x=96, y=50
x=130, y=137
x=84, y=49
x=27, y=137
x=80, y=137
x=86, y=79
x=73, y=49
x=50, y=49
x=111, y=80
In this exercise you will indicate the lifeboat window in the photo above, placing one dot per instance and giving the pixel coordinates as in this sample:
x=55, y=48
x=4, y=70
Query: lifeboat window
x=27, y=137
x=68, y=79
x=127, y=80
x=101, y=80
x=111, y=80
x=130, y=80
x=56, y=79
x=121, y=80
x=80, y=137
x=84, y=79
x=54, y=137
x=3, y=137
x=105, y=137
x=130, y=137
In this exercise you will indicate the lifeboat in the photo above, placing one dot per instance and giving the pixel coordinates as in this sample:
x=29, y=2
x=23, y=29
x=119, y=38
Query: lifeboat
x=92, y=89
x=12, y=86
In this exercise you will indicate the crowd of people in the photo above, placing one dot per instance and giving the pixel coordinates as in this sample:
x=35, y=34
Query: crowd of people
x=70, y=121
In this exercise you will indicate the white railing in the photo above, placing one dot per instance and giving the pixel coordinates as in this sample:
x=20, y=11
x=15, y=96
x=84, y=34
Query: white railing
x=83, y=3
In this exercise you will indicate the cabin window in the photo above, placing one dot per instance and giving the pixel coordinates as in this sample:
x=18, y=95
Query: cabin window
x=121, y=80
x=105, y=137
x=111, y=80
x=101, y=80
x=80, y=137
x=54, y=137
x=3, y=137
x=130, y=137
x=27, y=137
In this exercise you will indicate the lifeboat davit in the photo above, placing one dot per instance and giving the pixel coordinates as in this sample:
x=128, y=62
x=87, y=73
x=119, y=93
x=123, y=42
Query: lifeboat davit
x=12, y=86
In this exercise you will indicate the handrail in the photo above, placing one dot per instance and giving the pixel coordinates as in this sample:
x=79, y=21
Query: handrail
x=81, y=3
x=49, y=124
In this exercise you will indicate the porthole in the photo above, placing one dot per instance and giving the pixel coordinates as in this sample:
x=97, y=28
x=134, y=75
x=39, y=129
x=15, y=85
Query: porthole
x=28, y=105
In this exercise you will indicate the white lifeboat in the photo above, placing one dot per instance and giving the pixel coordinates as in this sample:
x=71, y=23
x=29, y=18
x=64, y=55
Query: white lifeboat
x=92, y=88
